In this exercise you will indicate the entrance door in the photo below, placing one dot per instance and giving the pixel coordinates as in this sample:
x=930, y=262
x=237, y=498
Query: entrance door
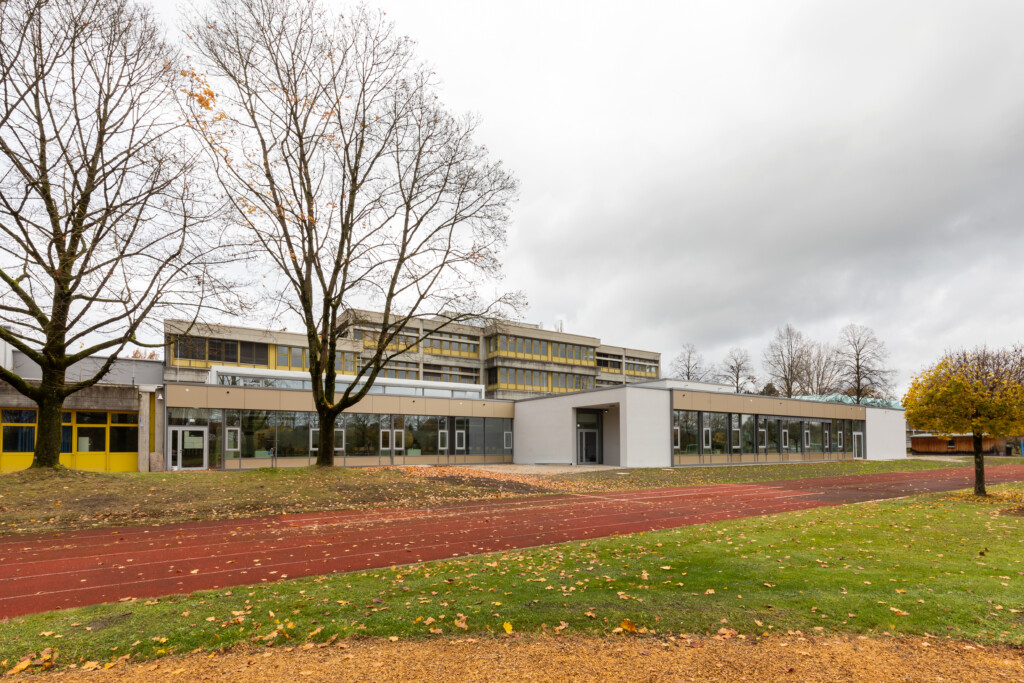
x=858, y=445
x=586, y=448
x=188, y=449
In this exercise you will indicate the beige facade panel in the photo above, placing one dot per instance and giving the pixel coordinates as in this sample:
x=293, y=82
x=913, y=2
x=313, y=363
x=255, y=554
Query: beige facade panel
x=764, y=405
x=458, y=407
x=239, y=398
x=179, y=396
x=504, y=409
x=386, y=405
x=262, y=400
x=297, y=400
x=225, y=397
x=436, y=406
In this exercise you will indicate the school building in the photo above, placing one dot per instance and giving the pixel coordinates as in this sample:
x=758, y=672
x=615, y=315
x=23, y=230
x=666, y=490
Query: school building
x=230, y=397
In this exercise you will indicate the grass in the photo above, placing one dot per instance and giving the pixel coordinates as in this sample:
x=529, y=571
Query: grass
x=50, y=501
x=730, y=474
x=938, y=564
x=34, y=500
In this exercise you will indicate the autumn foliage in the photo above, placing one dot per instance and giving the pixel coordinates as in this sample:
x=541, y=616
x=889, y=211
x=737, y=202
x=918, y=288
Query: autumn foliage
x=978, y=391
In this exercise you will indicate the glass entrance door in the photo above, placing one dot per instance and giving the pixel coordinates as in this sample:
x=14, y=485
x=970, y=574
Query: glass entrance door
x=858, y=445
x=188, y=449
x=586, y=449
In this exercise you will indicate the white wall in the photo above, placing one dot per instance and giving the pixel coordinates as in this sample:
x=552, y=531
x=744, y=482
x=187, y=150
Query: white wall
x=886, y=437
x=636, y=424
x=647, y=428
x=544, y=431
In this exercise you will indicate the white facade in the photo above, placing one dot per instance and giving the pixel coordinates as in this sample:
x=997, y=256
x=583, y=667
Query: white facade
x=635, y=427
x=886, y=437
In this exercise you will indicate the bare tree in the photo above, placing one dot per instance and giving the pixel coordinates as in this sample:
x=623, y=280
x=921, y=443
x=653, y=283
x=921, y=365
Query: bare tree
x=823, y=372
x=863, y=357
x=690, y=365
x=97, y=210
x=786, y=360
x=357, y=186
x=737, y=370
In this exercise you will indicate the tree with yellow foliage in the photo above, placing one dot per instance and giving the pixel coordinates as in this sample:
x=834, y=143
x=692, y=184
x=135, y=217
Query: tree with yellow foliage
x=970, y=391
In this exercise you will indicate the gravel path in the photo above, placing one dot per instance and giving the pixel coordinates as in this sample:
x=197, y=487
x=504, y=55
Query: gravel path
x=786, y=658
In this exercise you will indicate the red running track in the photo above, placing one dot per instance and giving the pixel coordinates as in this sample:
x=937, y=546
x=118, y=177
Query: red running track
x=54, y=571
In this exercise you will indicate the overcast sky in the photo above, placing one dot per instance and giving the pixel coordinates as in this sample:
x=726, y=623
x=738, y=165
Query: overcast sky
x=705, y=172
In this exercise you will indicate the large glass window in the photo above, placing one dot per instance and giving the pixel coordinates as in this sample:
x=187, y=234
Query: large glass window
x=748, y=433
x=362, y=434
x=716, y=438
x=771, y=435
x=685, y=438
x=258, y=433
x=475, y=436
x=796, y=438
x=90, y=418
x=816, y=434
x=292, y=434
x=494, y=440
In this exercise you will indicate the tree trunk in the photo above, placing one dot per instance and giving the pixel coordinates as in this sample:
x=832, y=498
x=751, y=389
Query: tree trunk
x=325, y=444
x=979, y=466
x=48, y=430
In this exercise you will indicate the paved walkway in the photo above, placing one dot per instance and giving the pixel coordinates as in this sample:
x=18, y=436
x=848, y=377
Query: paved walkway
x=45, y=572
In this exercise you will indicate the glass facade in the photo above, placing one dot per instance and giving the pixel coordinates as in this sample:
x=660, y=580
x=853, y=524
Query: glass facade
x=702, y=438
x=235, y=437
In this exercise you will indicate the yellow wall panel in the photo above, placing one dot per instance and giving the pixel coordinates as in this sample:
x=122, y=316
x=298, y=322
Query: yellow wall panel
x=93, y=462
x=123, y=462
x=13, y=462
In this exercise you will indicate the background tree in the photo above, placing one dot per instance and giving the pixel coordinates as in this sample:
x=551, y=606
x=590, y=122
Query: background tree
x=689, y=365
x=737, y=370
x=768, y=390
x=823, y=370
x=98, y=220
x=862, y=358
x=356, y=185
x=978, y=391
x=786, y=360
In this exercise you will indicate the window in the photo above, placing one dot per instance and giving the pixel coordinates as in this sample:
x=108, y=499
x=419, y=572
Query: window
x=190, y=348
x=233, y=442
x=22, y=416
x=222, y=350
x=19, y=439
x=90, y=418
x=92, y=439
x=122, y=439
x=253, y=353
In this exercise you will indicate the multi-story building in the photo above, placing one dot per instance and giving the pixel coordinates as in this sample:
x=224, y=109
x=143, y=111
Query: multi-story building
x=512, y=360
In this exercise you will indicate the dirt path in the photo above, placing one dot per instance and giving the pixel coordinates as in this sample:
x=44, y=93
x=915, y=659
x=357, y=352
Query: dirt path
x=44, y=572
x=789, y=658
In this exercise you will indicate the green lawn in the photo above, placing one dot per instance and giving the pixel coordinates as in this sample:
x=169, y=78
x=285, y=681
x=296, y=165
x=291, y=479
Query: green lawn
x=939, y=564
